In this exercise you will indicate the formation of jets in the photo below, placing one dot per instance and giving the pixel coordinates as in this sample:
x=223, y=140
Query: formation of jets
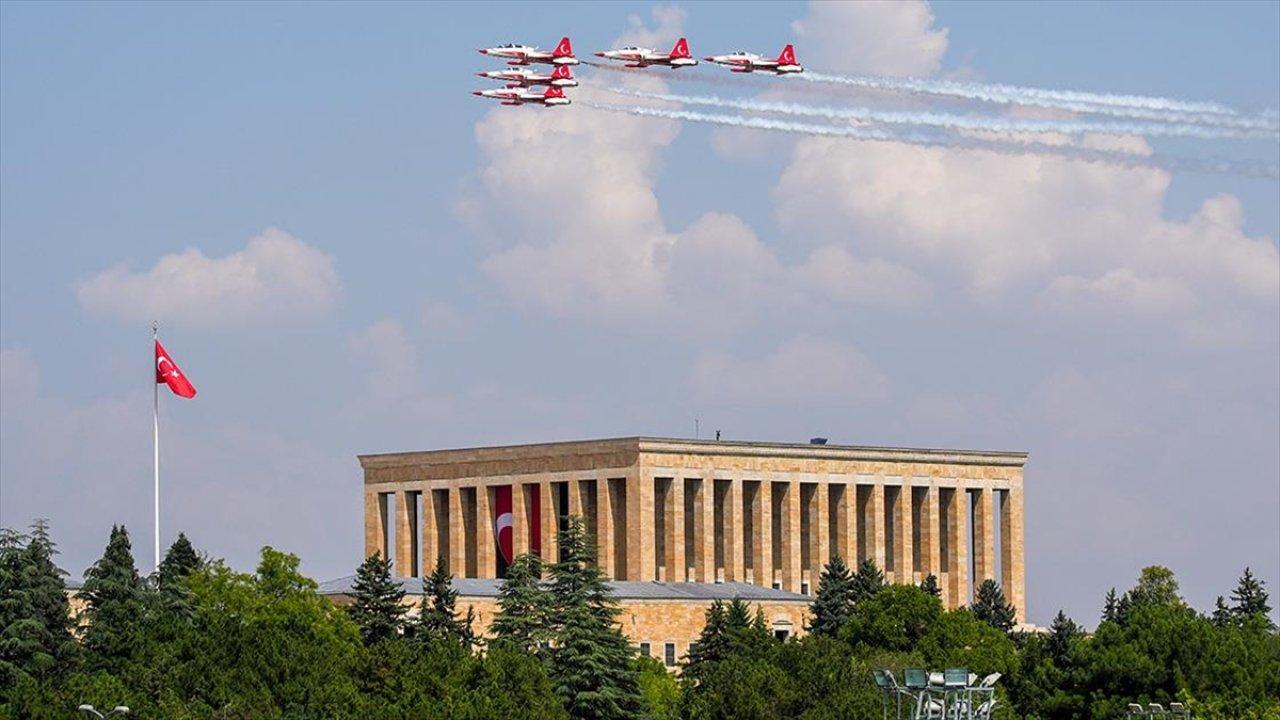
x=522, y=82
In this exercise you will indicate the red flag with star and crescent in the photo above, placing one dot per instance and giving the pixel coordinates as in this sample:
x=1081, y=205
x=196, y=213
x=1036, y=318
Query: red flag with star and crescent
x=168, y=372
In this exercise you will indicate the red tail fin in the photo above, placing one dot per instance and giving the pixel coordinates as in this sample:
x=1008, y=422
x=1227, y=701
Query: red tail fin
x=553, y=92
x=681, y=50
x=788, y=56
x=561, y=73
x=564, y=49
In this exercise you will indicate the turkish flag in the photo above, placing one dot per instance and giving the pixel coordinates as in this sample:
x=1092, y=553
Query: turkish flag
x=503, y=520
x=167, y=372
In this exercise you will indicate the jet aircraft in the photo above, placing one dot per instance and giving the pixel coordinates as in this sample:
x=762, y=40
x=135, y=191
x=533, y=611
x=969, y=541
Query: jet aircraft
x=746, y=62
x=638, y=57
x=516, y=54
x=520, y=96
x=523, y=77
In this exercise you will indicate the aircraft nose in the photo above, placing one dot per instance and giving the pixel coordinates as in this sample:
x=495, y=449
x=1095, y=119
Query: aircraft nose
x=709, y=58
x=599, y=54
x=476, y=93
x=481, y=75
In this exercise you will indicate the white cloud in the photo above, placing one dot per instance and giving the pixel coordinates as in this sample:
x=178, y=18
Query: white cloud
x=804, y=369
x=275, y=277
x=668, y=25
x=1084, y=237
x=392, y=361
x=837, y=274
x=886, y=37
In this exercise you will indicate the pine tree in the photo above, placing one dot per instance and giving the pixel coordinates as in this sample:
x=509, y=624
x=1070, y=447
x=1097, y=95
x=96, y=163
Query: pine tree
x=713, y=643
x=990, y=606
x=591, y=665
x=35, y=625
x=1249, y=600
x=1062, y=633
x=834, y=600
x=522, y=605
x=116, y=599
x=378, y=607
x=1111, y=607
x=438, y=615
x=1222, y=615
x=930, y=585
x=868, y=581
x=180, y=561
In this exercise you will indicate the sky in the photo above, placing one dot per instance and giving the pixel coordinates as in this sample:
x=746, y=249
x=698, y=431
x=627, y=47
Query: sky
x=350, y=254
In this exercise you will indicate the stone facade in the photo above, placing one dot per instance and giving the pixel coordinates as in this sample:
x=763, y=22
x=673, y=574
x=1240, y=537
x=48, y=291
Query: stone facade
x=676, y=511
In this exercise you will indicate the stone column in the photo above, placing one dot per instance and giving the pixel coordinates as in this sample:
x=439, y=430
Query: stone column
x=641, y=541
x=430, y=542
x=550, y=522
x=1011, y=546
x=486, y=542
x=791, y=538
x=762, y=525
x=931, y=523
x=519, y=521
x=984, y=537
x=903, y=531
x=875, y=524
x=849, y=518
x=707, y=530
x=957, y=550
x=734, y=546
x=457, y=534
x=575, y=500
x=404, y=535
x=604, y=527
x=821, y=529
x=676, y=562
x=375, y=523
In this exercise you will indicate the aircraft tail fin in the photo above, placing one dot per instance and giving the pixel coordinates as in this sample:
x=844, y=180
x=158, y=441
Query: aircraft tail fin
x=788, y=56
x=561, y=73
x=553, y=92
x=681, y=50
x=564, y=49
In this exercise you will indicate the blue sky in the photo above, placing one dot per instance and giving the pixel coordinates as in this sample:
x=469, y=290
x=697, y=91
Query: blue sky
x=444, y=272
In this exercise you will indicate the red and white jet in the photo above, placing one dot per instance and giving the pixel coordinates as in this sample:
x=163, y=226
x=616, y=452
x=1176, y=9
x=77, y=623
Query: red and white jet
x=638, y=57
x=523, y=78
x=746, y=62
x=519, y=96
x=516, y=54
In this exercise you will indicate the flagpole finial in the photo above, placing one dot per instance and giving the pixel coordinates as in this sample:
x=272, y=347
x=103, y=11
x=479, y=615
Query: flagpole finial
x=155, y=327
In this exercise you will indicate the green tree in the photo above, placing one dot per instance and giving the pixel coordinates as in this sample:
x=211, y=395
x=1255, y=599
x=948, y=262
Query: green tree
x=1222, y=615
x=1156, y=586
x=522, y=605
x=867, y=581
x=116, y=601
x=1063, y=633
x=36, y=638
x=834, y=600
x=438, y=613
x=990, y=606
x=591, y=664
x=180, y=561
x=378, y=605
x=1249, y=600
x=1110, y=607
x=897, y=618
x=930, y=585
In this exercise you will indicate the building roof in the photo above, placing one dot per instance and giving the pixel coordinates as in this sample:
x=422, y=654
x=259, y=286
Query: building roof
x=657, y=445
x=622, y=589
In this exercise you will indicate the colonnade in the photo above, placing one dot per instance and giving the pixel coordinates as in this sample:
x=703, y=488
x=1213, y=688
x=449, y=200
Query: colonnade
x=779, y=532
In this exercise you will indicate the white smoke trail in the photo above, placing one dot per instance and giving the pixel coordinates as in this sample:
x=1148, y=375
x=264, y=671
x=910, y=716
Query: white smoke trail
x=1228, y=167
x=963, y=122
x=1126, y=106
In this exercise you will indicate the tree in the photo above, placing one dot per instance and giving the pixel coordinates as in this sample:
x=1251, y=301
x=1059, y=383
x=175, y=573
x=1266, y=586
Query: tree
x=591, y=665
x=1156, y=586
x=438, y=614
x=35, y=623
x=990, y=606
x=180, y=561
x=930, y=585
x=1222, y=615
x=713, y=642
x=894, y=619
x=1249, y=600
x=834, y=600
x=522, y=605
x=1110, y=607
x=867, y=582
x=378, y=607
x=115, y=600
x=1062, y=633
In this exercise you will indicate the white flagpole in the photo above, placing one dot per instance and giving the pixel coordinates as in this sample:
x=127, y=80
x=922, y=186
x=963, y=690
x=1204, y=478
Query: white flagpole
x=155, y=437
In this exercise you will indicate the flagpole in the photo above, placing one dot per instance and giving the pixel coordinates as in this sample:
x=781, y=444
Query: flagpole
x=155, y=437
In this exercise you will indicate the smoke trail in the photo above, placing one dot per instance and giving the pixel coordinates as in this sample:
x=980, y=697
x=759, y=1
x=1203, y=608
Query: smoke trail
x=963, y=122
x=1126, y=106
x=1112, y=157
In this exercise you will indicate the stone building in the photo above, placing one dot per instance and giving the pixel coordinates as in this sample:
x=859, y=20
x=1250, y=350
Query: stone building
x=679, y=522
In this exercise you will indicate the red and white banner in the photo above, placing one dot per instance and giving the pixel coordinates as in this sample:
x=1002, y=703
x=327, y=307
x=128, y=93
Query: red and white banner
x=167, y=372
x=504, y=521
